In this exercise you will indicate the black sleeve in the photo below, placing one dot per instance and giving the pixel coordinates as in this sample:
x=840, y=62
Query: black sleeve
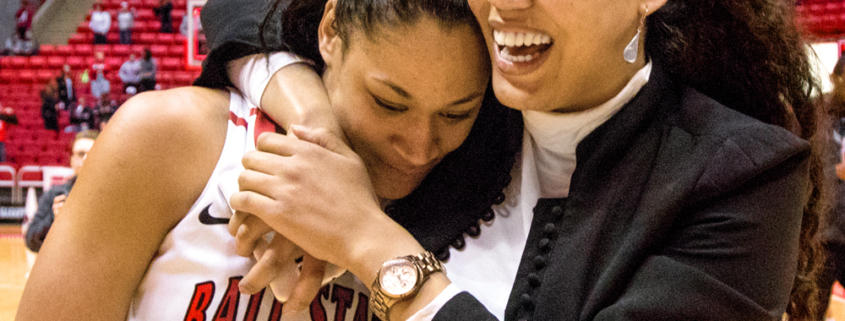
x=42, y=221
x=463, y=307
x=231, y=29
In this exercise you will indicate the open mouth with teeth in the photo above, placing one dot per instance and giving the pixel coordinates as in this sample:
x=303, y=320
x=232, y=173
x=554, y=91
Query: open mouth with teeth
x=521, y=47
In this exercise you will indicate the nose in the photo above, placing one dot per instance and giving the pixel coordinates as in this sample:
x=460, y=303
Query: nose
x=511, y=4
x=418, y=144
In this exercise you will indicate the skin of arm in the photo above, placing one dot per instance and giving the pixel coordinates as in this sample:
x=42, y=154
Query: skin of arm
x=139, y=180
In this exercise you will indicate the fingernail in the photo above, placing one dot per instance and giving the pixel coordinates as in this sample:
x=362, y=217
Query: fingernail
x=245, y=289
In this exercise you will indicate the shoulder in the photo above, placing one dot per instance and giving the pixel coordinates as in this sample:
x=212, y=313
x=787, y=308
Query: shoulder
x=172, y=110
x=732, y=147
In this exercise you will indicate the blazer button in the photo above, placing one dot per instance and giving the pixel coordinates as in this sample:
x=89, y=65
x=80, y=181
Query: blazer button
x=539, y=262
x=545, y=244
x=533, y=280
x=557, y=211
x=549, y=228
x=525, y=299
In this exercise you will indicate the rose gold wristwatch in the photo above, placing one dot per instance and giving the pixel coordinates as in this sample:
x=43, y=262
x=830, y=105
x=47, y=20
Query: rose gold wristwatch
x=399, y=279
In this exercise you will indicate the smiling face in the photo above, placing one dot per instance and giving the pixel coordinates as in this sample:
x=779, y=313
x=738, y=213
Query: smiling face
x=562, y=55
x=405, y=98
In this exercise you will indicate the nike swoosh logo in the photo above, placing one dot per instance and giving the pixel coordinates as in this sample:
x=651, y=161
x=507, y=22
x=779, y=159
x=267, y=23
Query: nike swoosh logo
x=207, y=219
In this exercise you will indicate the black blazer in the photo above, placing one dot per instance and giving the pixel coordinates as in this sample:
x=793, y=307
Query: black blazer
x=679, y=208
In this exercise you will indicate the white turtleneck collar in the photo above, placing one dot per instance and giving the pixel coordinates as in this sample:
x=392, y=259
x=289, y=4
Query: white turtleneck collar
x=555, y=136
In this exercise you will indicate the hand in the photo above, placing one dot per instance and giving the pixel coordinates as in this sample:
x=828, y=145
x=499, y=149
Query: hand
x=58, y=202
x=315, y=192
x=840, y=170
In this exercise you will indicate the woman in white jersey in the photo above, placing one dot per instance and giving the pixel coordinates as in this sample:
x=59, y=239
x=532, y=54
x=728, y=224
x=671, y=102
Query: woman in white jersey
x=669, y=170
x=128, y=248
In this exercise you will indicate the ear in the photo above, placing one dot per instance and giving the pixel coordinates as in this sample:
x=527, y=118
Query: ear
x=331, y=46
x=650, y=6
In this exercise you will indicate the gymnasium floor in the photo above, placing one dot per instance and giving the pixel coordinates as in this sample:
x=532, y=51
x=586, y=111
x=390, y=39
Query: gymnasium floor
x=13, y=270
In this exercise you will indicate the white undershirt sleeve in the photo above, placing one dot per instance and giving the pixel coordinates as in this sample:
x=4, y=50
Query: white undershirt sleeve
x=251, y=74
x=427, y=313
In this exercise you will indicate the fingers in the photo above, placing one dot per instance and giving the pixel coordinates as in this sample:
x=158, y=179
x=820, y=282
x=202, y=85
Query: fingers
x=252, y=202
x=248, y=233
x=307, y=287
x=59, y=198
x=277, y=262
x=322, y=138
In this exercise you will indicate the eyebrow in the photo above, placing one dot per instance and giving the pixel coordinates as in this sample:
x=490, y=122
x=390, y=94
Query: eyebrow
x=406, y=95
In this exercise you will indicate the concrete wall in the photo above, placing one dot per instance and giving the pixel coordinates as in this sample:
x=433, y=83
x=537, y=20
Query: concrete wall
x=56, y=21
x=7, y=18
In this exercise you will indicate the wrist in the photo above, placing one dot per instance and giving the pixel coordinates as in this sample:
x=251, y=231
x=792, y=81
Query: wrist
x=392, y=241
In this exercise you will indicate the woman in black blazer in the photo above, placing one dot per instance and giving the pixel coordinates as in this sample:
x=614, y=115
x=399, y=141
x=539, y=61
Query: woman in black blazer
x=697, y=189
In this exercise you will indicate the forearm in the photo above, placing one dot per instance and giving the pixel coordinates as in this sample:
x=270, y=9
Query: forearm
x=296, y=95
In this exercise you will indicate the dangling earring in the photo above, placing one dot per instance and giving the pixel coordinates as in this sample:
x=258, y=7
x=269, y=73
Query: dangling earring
x=630, y=52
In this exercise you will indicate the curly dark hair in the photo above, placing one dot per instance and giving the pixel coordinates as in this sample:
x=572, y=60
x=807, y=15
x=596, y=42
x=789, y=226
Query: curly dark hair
x=749, y=56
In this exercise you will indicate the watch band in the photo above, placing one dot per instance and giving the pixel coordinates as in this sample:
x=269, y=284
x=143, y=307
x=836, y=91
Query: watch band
x=380, y=302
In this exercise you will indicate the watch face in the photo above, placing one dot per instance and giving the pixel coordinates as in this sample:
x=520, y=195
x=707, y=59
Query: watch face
x=398, y=277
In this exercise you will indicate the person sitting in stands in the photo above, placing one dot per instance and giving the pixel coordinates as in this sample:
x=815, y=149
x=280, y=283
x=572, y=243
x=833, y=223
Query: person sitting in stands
x=50, y=203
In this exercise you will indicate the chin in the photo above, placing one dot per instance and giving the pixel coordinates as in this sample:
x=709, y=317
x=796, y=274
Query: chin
x=393, y=189
x=513, y=97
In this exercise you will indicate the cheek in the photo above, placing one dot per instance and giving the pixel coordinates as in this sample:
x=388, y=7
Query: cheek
x=453, y=135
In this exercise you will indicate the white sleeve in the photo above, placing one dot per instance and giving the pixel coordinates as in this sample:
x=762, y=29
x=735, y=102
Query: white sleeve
x=251, y=74
x=427, y=313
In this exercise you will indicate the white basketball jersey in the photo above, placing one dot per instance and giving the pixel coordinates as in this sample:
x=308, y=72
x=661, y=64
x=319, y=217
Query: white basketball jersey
x=195, y=273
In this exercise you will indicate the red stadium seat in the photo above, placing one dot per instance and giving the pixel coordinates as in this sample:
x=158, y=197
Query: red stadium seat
x=42, y=75
x=37, y=62
x=113, y=37
x=171, y=63
x=55, y=62
x=154, y=26
x=165, y=78
x=83, y=27
x=159, y=50
x=18, y=62
x=76, y=62
x=113, y=63
x=81, y=38
x=83, y=49
x=5, y=62
x=47, y=50
x=183, y=78
x=165, y=38
x=27, y=76
x=146, y=38
x=120, y=51
x=176, y=51
x=139, y=26
x=8, y=178
x=64, y=50
x=29, y=175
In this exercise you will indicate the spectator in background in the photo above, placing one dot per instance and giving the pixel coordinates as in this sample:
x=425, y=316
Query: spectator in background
x=100, y=85
x=125, y=22
x=130, y=72
x=50, y=203
x=104, y=110
x=24, y=20
x=183, y=27
x=99, y=62
x=67, y=94
x=7, y=117
x=147, y=71
x=49, y=105
x=163, y=11
x=82, y=116
x=100, y=24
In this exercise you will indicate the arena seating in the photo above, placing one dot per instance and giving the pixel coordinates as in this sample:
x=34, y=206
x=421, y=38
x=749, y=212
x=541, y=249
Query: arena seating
x=28, y=145
x=822, y=19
